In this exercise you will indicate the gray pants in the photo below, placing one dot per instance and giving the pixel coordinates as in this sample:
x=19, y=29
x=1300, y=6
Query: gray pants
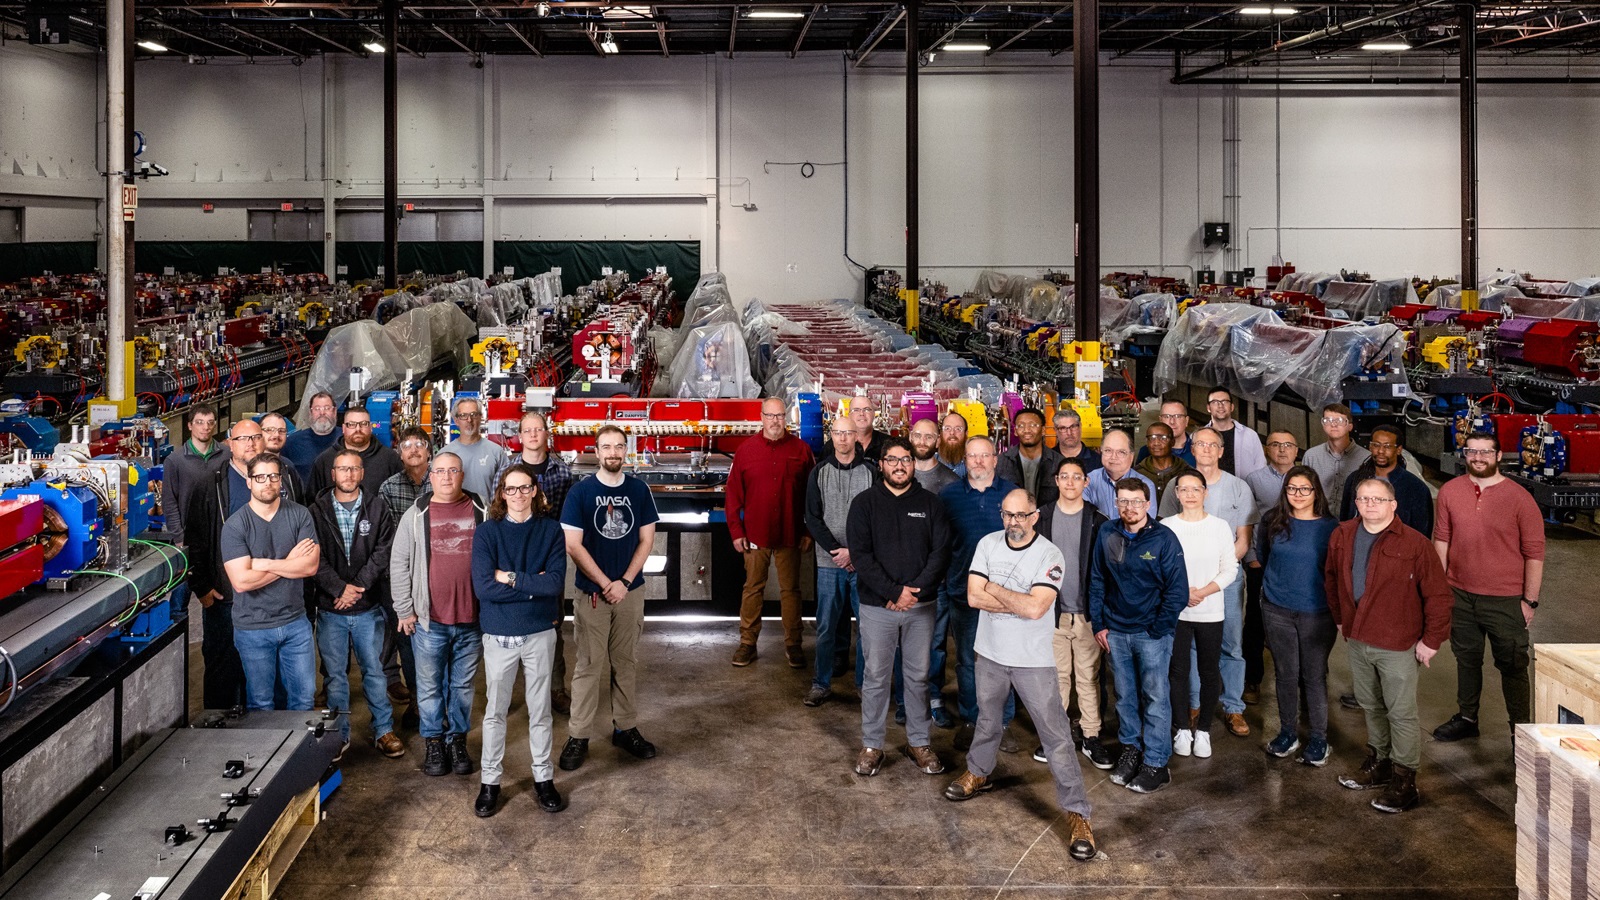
x=882, y=631
x=1039, y=690
x=500, y=676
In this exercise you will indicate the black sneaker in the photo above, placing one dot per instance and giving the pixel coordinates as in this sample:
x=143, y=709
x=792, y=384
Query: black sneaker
x=573, y=753
x=460, y=762
x=1038, y=755
x=1150, y=779
x=1349, y=701
x=550, y=799
x=1097, y=752
x=633, y=742
x=1127, y=765
x=488, y=800
x=1457, y=728
x=433, y=760
x=964, y=736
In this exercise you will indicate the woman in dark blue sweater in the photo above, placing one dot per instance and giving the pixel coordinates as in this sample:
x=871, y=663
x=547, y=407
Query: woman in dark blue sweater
x=519, y=570
x=1292, y=544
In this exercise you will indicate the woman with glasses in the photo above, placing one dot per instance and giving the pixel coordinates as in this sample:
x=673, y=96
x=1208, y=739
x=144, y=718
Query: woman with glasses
x=1208, y=553
x=1293, y=546
x=519, y=568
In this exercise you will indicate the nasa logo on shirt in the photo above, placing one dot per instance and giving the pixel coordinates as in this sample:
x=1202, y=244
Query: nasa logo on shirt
x=365, y=527
x=613, y=517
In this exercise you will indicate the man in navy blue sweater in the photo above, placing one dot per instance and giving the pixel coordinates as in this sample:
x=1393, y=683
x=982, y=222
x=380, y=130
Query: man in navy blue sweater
x=1138, y=584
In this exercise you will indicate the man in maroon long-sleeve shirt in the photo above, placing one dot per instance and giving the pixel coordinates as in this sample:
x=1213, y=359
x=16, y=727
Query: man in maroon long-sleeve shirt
x=766, y=509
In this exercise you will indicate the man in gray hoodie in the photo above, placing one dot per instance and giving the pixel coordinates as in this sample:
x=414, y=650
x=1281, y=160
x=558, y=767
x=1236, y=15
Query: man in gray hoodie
x=186, y=466
x=834, y=483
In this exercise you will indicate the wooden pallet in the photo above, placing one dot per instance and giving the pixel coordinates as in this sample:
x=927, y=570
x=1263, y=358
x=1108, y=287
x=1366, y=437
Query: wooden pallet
x=1566, y=683
x=264, y=872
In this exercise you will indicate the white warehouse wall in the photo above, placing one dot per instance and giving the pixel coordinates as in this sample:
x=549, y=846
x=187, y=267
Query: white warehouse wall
x=690, y=148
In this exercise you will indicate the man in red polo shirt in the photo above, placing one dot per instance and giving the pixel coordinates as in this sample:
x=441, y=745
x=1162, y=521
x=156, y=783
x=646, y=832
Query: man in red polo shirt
x=766, y=509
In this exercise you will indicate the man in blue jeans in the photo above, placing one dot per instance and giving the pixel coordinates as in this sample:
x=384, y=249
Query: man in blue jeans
x=973, y=504
x=351, y=589
x=836, y=481
x=1138, y=584
x=267, y=548
x=430, y=577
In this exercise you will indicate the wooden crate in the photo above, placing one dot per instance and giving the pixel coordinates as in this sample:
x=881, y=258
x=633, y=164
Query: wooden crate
x=264, y=872
x=1566, y=683
x=1558, y=811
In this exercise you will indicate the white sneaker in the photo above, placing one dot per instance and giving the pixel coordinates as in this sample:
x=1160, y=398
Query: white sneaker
x=1202, y=744
x=1184, y=741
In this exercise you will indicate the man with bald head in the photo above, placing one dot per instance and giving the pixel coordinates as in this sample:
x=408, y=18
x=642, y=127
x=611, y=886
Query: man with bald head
x=766, y=504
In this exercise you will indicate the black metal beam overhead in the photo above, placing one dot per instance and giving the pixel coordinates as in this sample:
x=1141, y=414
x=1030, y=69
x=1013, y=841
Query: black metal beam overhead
x=1086, y=169
x=913, y=62
x=1468, y=13
x=391, y=149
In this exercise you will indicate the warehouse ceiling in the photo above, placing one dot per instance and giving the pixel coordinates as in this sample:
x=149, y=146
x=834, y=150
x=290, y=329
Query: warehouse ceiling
x=1187, y=35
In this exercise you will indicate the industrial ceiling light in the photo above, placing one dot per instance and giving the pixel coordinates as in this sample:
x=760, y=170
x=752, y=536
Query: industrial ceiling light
x=625, y=12
x=373, y=47
x=1386, y=45
x=608, y=44
x=965, y=47
x=1268, y=11
x=152, y=46
x=775, y=14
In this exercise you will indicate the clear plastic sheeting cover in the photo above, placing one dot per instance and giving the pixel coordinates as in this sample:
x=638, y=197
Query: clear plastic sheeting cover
x=710, y=297
x=1491, y=297
x=364, y=344
x=505, y=303
x=1312, y=283
x=713, y=362
x=1362, y=299
x=1144, y=314
x=464, y=292
x=1536, y=307
x=1345, y=352
x=432, y=332
x=1033, y=297
x=1586, y=309
x=1579, y=287
x=544, y=290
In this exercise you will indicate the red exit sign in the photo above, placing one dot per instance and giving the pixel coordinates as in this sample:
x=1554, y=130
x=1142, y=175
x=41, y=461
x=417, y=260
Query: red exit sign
x=207, y=207
x=411, y=207
x=286, y=207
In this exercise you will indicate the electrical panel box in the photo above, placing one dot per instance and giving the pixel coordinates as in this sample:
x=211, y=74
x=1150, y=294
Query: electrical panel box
x=1216, y=233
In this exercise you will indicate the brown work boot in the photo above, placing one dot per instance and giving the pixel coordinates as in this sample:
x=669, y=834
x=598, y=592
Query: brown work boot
x=1237, y=724
x=1374, y=773
x=398, y=692
x=745, y=655
x=928, y=762
x=796, y=656
x=869, y=762
x=966, y=787
x=1081, y=843
x=390, y=746
x=1401, y=794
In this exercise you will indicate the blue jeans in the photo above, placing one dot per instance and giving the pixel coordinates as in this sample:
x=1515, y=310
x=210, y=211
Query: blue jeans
x=1232, y=653
x=941, y=632
x=336, y=635
x=447, y=660
x=837, y=601
x=284, y=653
x=964, y=619
x=1141, y=665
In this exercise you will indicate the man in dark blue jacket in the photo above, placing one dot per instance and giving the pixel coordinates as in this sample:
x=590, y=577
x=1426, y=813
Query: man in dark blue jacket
x=1138, y=585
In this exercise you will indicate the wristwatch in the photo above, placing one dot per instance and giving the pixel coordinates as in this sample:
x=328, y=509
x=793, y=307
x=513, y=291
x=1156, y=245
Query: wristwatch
x=1532, y=604
x=511, y=579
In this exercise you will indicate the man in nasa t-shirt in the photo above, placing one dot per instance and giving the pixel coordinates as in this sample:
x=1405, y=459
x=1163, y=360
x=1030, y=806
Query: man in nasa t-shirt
x=610, y=524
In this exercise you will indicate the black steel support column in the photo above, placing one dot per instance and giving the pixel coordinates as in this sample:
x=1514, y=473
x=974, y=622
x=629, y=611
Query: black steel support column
x=1086, y=167
x=913, y=279
x=391, y=152
x=1469, y=153
x=126, y=41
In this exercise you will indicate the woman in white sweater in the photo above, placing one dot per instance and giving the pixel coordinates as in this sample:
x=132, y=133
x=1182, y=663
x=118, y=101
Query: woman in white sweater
x=1208, y=553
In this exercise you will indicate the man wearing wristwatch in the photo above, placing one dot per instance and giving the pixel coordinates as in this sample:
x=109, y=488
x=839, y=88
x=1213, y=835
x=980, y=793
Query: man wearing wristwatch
x=1490, y=537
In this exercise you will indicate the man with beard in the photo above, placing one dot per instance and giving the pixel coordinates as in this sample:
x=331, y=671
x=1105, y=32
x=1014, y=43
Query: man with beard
x=899, y=541
x=302, y=448
x=482, y=458
x=1030, y=465
x=1014, y=580
x=953, y=442
x=379, y=461
x=1241, y=446
x=1414, y=501
x=275, y=432
x=1490, y=537
x=610, y=526
x=929, y=471
x=934, y=476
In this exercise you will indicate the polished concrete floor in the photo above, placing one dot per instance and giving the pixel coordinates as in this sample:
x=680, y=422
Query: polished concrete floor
x=753, y=796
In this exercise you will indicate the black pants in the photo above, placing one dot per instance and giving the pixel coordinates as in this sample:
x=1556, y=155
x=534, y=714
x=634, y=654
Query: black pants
x=1255, y=632
x=1499, y=619
x=222, y=684
x=1207, y=640
x=1300, y=643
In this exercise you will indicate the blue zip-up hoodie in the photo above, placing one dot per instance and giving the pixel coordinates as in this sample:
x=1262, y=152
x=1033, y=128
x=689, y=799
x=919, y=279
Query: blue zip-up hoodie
x=1138, y=584
x=536, y=551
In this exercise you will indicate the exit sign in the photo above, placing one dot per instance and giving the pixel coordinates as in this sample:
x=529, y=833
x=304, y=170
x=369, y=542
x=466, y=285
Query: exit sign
x=286, y=207
x=207, y=207
x=411, y=207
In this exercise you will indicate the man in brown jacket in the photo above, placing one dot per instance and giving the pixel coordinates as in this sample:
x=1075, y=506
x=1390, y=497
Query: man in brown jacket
x=1389, y=598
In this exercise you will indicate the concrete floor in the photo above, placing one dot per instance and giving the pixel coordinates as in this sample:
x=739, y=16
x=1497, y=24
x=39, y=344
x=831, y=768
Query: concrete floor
x=753, y=795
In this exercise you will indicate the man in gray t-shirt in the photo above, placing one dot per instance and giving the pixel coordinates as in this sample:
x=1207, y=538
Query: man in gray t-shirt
x=1014, y=581
x=482, y=460
x=267, y=548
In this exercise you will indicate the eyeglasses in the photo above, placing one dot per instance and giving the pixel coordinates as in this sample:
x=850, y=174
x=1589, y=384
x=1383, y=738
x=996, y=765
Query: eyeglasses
x=512, y=489
x=1161, y=438
x=1299, y=490
x=1131, y=502
x=347, y=468
x=1114, y=452
x=1279, y=445
x=468, y=417
x=264, y=478
x=246, y=437
x=1219, y=402
x=1335, y=420
x=980, y=455
x=1481, y=451
x=275, y=431
x=897, y=460
x=413, y=444
x=1174, y=417
x=1207, y=445
x=1017, y=516
x=1373, y=501
x=358, y=425
x=952, y=431
x=1374, y=445
x=1075, y=426
x=450, y=471
x=846, y=431
x=1190, y=489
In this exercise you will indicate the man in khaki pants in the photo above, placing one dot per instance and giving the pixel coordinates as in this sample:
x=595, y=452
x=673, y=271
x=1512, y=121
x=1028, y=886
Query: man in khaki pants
x=1071, y=524
x=610, y=525
x=766, y=509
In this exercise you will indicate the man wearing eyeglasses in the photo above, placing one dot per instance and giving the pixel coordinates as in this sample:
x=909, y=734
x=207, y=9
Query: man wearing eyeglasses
x=1242, y=452
x=1339, y=457
x=1015, y=580
x=1387, y=590
x=837, y=479
x=351, y=590
x=267, y=549
x=1069, y=441
x=1116, y=464
x=379, y=461
x=953, y=442
x=1175, y=416
x=400, y=491
x=275, y=433
x=899, y=539
x=190, y=464
x=1490, y=536
x=1028, y=465
x=482, y=458
x=1414, y=501
x=1157, y=462
x=868, y=436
